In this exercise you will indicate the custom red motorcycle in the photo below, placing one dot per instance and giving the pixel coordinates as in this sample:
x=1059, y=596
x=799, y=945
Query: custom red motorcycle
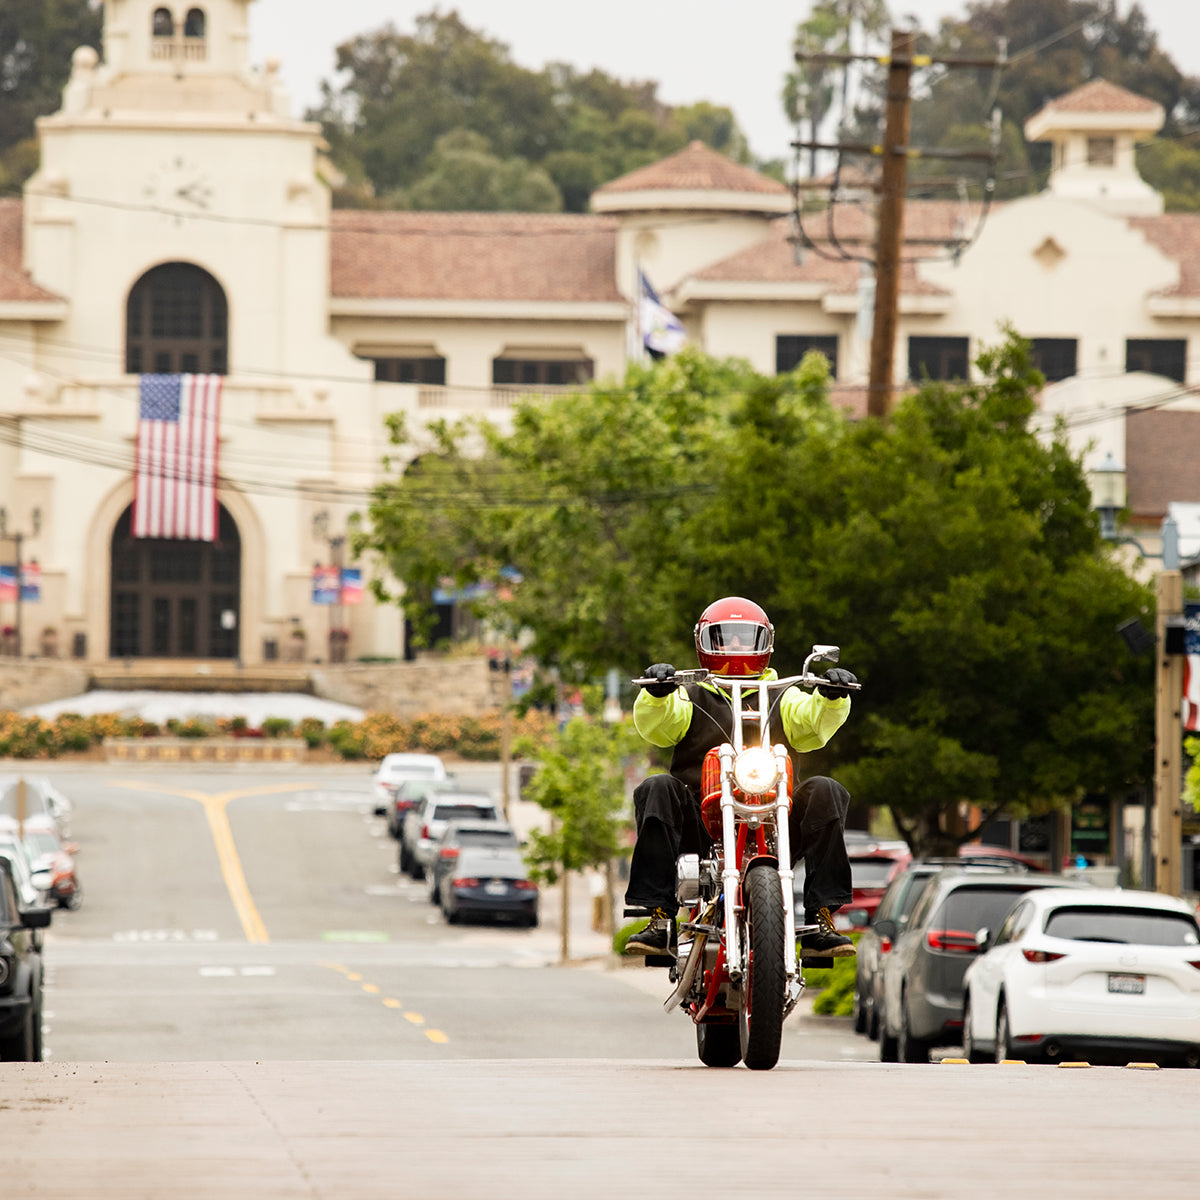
x=737, y=972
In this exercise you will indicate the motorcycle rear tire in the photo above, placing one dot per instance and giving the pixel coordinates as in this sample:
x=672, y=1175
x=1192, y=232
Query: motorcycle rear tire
x=764, y=983
x=719, y=1045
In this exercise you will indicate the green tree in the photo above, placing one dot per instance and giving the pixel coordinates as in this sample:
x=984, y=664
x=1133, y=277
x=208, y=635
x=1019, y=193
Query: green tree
x=951, y=553
x=37, y=40
x=404, y=92
x=580, y=783
x=464, y=176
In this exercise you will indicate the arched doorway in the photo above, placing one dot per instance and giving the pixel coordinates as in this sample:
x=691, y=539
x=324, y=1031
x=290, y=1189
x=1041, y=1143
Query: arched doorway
x=175, y=599
x=176, y=323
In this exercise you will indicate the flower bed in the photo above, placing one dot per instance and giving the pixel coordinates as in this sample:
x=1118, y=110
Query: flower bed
x=377, y=734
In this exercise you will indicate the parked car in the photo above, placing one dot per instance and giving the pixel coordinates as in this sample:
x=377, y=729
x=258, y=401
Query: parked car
x=20, y=973
x=12, y=847
x=874, y=863
x=408, y=794
x=460, y=834
x=53, y=863
x=42, y=799
x=888, y=922
x=492, y=883
x=394, y=769
x=1104, y=975
x=923, y=974
x=423, y=825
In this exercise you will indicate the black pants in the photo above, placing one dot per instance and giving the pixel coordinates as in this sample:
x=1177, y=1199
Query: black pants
x=667, y=813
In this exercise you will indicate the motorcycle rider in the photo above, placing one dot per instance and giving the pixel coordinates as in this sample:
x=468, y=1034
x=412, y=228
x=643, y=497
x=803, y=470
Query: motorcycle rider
x=734, y=637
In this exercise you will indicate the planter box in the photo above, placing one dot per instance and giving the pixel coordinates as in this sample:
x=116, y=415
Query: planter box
x=205, y=750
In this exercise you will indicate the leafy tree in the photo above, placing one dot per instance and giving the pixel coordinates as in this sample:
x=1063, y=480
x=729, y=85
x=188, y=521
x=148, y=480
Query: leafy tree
x=405, y=92
x=1172, y=168
x=951, y=553
x=580, y=782
x=37, y=40
x=464, y=176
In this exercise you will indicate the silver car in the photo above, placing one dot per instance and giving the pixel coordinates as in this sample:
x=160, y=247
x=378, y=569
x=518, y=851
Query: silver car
x=423, y=825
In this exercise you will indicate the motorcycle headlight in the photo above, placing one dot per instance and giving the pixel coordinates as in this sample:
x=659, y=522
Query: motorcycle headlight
x=755, y=771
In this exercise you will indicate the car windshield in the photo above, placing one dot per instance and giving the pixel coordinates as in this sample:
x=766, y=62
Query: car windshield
x=41, y=843
x=454, y=812
x=871, y=872
x=409, y=770
x=972, y=908
x=1134, y=926
x=480, y=837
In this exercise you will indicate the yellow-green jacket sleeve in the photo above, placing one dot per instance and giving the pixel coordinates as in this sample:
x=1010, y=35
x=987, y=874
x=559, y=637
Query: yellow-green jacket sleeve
x=662, y=720
x=810, y=719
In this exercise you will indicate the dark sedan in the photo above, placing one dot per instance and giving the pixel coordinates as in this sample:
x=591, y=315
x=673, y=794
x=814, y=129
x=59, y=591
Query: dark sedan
x=494, y=835
x=20, y=974
x=489, y=883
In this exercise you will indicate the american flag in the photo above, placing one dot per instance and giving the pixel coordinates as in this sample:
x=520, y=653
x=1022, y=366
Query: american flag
x=175, y=485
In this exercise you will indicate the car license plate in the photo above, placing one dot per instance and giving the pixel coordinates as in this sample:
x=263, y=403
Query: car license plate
x=495, y=887
x=1132, y=985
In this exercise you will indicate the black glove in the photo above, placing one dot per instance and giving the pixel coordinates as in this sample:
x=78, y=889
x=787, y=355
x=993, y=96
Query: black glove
x=834, y=686
x=665, y=674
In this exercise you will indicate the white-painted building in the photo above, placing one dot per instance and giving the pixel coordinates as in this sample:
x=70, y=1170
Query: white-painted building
x=179, y=223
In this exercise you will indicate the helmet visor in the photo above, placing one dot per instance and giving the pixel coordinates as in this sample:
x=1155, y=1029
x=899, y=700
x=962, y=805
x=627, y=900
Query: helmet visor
x=735, y=637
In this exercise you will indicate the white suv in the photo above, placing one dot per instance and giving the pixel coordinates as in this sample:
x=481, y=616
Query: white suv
x=396, y=768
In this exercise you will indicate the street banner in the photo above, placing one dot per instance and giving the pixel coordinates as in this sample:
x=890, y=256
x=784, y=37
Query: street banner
x=8, y=582
x=352, y=585
x=31, y=583
x=1191, y=667
x=325, y=585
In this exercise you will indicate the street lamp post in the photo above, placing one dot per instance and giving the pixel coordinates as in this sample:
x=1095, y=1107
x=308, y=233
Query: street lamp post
x=1108, y=494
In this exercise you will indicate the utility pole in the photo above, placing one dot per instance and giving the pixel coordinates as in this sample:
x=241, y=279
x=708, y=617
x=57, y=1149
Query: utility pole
x=895, y=153
x=1168, y=737
x=890, y=232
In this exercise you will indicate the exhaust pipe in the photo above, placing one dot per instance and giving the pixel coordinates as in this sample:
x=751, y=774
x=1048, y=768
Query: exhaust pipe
x=1053, y=1051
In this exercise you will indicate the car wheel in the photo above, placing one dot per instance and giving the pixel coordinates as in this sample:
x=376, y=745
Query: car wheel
x=908, y=1048
x=1003, y=1046
x=971, y=1052
x=20, y=1046
x=403, y=861
x=860, y=1013
x=415, y=870
x=873, y=1018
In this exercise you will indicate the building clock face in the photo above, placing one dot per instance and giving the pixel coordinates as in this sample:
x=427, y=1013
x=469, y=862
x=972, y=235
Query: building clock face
x=179, y=185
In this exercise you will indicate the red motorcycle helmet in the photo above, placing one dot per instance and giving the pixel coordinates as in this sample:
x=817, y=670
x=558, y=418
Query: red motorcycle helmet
x=734, y=637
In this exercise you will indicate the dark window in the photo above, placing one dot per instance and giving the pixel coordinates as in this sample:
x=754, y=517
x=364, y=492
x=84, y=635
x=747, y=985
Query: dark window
x=1157, y=356
x=938, y=358
x=194, y=23
x=1055, y=357
x=176, y=321
x=542, y=372
x=410, y=370
x=163, y=23
x=169, y=596
x=790, y=349
x=1131, y=926
x=1101, y=151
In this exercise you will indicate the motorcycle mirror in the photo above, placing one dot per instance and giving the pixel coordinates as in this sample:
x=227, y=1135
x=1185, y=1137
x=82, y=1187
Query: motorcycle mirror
x=825, y=653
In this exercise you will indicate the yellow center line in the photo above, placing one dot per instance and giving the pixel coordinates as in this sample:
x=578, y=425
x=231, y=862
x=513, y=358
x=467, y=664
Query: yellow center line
x=436, y=1035
x=214, y=804
x=415, y=1018
x=371, y=987
x=389, y=1002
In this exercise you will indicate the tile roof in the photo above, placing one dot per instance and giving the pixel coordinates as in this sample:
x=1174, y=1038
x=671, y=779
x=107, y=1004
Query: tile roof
x=473, y=256
x=694, y=168
x=1100, y=96
x=15, y=283
x=1177, y=235
x=774, y=261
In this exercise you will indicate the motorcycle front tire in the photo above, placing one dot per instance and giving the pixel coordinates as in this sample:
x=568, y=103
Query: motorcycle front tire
x=764, y=980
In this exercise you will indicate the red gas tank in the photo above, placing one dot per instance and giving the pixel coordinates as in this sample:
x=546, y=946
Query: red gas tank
x=710, y=793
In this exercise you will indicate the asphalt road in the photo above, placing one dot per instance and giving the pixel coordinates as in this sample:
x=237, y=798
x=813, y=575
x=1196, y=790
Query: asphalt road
x=251, y=1002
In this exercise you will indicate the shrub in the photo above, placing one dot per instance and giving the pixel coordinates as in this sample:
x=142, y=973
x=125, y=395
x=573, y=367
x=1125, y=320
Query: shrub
x=276, y=727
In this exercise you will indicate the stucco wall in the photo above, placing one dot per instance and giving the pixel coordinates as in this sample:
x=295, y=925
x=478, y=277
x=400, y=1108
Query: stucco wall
x=25, y=683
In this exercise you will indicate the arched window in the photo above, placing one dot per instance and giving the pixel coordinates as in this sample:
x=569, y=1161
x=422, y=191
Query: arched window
x=164, y=23
x=195, y=23
x=176, y=322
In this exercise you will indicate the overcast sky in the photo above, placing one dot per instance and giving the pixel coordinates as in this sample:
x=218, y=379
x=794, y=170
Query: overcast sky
x=729, y=54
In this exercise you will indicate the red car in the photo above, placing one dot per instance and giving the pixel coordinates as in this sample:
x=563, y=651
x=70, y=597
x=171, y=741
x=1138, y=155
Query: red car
x=872, y=868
